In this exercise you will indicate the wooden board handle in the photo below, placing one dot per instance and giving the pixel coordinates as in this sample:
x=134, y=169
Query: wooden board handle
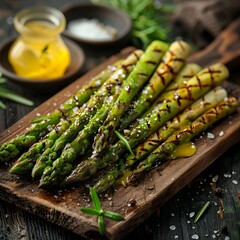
x=225, y=48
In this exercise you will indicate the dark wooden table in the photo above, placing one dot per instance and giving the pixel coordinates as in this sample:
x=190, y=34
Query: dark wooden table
x=174, y=220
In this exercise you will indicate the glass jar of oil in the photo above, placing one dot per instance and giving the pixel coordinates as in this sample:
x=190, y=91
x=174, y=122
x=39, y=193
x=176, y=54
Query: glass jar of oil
x=39, y=52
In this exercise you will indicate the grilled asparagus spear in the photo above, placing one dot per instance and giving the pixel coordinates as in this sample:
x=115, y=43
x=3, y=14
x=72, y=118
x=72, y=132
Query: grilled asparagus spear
x=78, y=146
x=172, y=62
x=186, y=73
x=70, y=108
x=196, y=109
x=26, y=161
x=141, y=73
x=209, y=100
x=86, y=113
x=195, y=128
x=109, y=179
x=52, y=175
x=10, y=150
x=61, y=167
x=195, y=88
x=84, y=93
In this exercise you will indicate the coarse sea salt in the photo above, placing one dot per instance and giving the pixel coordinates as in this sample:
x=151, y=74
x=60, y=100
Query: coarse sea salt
x=210, y=135
x=172, y=227
x=234, y=181
x=194, y=236
x=227, y=175
x=221, y=133
x=191, y=214
x=215, y=178
x=91, y=29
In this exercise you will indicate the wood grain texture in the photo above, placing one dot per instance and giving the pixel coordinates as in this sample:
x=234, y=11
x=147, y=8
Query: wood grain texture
x=62, y=207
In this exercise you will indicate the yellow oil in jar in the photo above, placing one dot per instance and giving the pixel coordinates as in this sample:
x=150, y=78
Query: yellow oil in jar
x=39, y=54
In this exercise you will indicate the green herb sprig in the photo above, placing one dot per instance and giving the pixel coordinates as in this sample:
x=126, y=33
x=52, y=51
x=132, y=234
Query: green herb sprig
x=7, y=94
x=124, y=141
x=150, y=19
x=201, y=211
x=100, y=213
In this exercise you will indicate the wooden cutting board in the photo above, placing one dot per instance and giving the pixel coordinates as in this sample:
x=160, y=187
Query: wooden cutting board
x=63, y=207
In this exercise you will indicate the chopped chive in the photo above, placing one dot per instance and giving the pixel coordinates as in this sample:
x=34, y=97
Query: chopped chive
x=90, y=211
x=95, y=199
x=124, y=141
x=113, y=216
x=2, y=105
x=101, y=225
x=100, y=213
x=39, y=119
x=4, y=93
x=202, y=210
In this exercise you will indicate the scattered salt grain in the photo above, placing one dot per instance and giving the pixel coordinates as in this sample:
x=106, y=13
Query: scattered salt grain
x=98, y=82
x=221, y=133
x=210, y=135
x=195, y=236
x=227, y=175
x=49, y=127
x=172, y=227
x=234, y=181
x=215, y=179
x=191, y=214
x=127, y=88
